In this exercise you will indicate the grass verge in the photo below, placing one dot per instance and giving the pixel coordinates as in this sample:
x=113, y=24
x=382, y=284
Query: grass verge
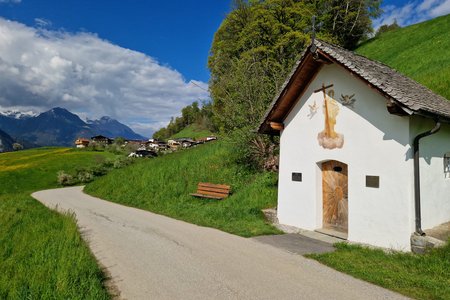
x=418, y=276
x=42, y=255
x=163, y=185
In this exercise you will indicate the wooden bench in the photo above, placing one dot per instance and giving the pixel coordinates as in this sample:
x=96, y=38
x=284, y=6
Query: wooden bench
x=213, y=191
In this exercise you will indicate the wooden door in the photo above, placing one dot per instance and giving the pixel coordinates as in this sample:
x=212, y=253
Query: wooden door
x=335, y=195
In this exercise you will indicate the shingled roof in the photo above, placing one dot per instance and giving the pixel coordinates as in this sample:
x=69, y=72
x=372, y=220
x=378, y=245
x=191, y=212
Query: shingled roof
x=408, y=95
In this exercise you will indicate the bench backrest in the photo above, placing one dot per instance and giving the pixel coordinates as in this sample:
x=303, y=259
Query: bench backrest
x=217, y=190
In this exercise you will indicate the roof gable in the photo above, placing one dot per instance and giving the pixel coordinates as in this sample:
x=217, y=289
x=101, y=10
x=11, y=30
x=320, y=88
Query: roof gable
x=404, y=95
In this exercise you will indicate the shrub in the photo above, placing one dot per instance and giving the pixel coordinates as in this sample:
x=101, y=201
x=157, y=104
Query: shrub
x=99, y=170
x=65, y=179
x=17, y=147
x=121, y=162
x=85, y=176
x=115, y=149
x=108, y=164
x=254, y=151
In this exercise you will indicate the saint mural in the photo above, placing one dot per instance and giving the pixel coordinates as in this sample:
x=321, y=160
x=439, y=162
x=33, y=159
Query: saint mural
x=329, y=138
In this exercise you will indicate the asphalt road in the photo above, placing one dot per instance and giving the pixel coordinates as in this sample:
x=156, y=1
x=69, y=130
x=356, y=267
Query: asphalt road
x=150, y=256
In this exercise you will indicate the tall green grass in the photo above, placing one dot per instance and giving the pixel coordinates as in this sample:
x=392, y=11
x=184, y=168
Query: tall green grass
x=42, y=255
x=420, y=51
x=162, y=185
x=418, y=276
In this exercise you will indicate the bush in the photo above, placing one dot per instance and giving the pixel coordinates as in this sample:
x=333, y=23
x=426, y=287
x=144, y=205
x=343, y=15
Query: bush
x=108, y=164
x=99, y=170
x=122, y=162
x=17, y=147
x=115, y=149
x=93, y=146
x=254, y=151
x=85, y=176
x=65, y=179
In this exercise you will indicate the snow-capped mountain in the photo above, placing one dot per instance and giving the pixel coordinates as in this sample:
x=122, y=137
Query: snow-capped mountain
x=60, y=127
x=18, y=114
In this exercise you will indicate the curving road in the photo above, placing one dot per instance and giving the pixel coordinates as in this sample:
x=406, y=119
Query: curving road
x=150, y=256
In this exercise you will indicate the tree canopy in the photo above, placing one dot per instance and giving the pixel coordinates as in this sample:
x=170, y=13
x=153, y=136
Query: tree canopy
x=189, y=115
x=256, y=46
x=259, y=41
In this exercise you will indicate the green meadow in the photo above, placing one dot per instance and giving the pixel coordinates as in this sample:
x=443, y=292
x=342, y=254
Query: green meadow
x=162, y=185
x=420, y=51
x=42, y=255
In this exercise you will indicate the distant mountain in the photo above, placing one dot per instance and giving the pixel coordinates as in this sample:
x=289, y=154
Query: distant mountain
x=113, y=128
x=6, y=142
x=59, y=127
x=18, y=114
x=56, y=127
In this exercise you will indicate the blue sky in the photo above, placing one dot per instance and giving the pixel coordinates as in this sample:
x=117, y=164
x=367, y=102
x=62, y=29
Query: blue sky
x=139, y=61
x=178, y=33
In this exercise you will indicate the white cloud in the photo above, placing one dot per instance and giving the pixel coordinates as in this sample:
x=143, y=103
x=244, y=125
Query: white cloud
x=147, y=128
x=10, y=1
x=41, y=69
x=413, y=12
x=41, y=22
x=441, y=9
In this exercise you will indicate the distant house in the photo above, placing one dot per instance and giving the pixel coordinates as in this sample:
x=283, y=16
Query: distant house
x=102, y=139
x=173, y=142
x=364, y=150
x=82, y=143
x=157, y=145
x=185, y=142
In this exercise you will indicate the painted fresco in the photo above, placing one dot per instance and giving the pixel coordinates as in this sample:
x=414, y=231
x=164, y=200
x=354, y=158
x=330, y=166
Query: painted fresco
x=329, y=138
x=348, y=100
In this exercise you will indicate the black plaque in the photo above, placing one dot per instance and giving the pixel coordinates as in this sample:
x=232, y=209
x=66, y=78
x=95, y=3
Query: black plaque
x=372, y=181
x=296, y=176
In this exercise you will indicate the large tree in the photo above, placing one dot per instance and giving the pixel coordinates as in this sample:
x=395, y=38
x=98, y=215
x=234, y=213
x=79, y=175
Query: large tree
x=251, y=52
x=348, y=20
x=258, y=43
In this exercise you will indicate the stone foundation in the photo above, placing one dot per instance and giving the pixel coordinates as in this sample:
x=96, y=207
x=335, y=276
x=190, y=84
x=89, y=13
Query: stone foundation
x=422, y=244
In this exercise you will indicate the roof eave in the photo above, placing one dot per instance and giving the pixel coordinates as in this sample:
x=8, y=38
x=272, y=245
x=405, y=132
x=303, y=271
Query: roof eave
x=288, y=94
x=324, y=53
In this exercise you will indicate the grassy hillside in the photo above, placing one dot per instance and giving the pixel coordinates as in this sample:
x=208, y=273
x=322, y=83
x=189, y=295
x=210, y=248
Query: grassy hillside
x=163, y=185
x=420, y=51
x=42, y=255
x=192, y=131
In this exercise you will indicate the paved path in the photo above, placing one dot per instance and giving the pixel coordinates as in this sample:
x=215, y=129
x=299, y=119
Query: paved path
x=296, y=243
x=154, y=257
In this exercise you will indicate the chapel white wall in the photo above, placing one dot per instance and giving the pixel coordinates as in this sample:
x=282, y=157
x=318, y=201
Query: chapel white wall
x=434, y=187
x=376, y=143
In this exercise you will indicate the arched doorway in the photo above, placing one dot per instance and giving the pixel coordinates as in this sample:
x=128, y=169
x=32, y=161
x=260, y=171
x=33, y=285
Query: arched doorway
x=335, y=195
